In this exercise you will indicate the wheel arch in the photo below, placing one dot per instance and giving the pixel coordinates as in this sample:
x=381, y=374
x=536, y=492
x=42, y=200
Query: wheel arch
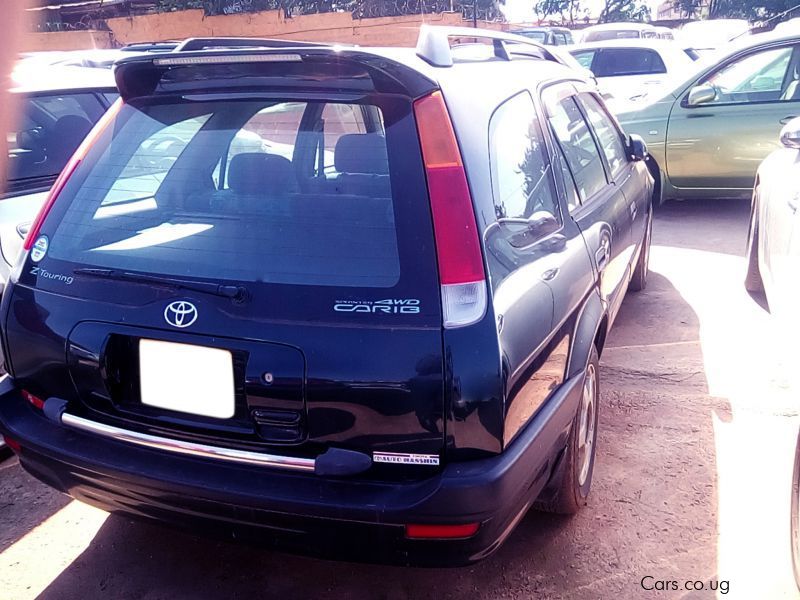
x=590, y=331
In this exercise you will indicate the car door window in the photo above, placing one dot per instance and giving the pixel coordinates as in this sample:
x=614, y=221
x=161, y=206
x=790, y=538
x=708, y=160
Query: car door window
x=49, y=129
x=578, y=146
x=522, y=177
x=585, y=58
x=623, y=62
x=560, y=39
x=758, y=77
x=607, y=133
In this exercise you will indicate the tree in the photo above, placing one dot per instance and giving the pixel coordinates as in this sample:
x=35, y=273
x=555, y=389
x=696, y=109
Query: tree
x=624, y=10
x=567, y=10
x=753, y=10
x=690, y=9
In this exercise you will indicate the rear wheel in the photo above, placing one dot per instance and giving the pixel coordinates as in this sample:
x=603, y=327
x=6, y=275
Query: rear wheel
x=574, y=482
x=752, y=279
x=639, y=278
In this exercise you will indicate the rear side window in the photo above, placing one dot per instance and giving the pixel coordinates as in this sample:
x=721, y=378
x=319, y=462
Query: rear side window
x=49, y=129
x=620, y=62
x=521, y=172
x=578, y=146
x=285, y=193
x=607, y=133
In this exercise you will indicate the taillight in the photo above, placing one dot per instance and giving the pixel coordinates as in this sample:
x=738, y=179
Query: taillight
x=34, y=401
x=441, y=532
x=68, y=170
x=458, y=245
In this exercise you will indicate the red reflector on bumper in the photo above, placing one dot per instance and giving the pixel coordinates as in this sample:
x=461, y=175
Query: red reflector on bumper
x=13, y=444
x=441, y=532
x=33, y=400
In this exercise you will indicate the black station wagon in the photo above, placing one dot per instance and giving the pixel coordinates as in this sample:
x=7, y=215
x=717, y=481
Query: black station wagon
x=345, y=301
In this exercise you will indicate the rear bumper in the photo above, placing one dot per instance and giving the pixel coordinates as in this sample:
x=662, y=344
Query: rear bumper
x=306, y=513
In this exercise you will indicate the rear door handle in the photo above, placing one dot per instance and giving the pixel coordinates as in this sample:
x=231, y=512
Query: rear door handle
x=633, y=210
x=601, y=256
x=785, y=120
x=792, y=202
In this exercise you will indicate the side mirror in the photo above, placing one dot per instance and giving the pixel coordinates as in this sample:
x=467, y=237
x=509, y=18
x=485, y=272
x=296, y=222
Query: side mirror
x=790, y=134
x=637, y=148
x=542, y=223
x=700, y=94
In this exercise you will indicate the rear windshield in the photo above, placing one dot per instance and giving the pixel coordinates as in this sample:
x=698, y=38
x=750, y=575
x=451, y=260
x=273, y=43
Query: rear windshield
x=282, y=192
x=290, y=194
x=621, y=62
x=613, y=34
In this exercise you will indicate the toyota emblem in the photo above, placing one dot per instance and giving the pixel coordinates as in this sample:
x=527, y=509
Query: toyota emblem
x=180, y=313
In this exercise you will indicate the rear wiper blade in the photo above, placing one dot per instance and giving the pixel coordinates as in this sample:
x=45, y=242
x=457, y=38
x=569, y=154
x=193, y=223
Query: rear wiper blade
x=237, y=293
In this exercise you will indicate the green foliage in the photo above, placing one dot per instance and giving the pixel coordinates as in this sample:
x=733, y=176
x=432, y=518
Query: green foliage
x=566, y=10
x=753, y=10
x=624, y=10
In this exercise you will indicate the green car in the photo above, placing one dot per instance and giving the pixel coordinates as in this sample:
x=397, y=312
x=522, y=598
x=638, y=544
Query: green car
x=708, y=134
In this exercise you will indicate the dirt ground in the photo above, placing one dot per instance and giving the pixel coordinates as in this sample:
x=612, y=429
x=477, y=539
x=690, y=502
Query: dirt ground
x=691, y=485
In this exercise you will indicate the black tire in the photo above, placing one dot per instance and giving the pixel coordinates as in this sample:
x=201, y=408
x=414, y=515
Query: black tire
x=795, y=515
x=639, y=278
x=752, y=279
x=570, y=489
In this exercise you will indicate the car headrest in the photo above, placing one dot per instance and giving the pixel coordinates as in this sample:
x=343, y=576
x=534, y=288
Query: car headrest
x=261, y=173
x=67, y=134
x=361, y=153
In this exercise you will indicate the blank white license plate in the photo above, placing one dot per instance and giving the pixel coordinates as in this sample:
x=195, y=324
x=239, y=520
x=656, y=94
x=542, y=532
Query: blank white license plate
x=185, y=378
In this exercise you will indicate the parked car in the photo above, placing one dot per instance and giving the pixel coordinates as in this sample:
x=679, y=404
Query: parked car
x=616, y=31
x=708, y=134
x=664, y=33
x=710, y=35
x=389, y=355
x=773, y=245
x=57, y=107
x=549, y=36
x=629, y=68
x=794, y=523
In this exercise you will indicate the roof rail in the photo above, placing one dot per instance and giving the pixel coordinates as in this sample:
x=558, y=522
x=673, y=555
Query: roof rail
x=211, y=43
x=433, y=44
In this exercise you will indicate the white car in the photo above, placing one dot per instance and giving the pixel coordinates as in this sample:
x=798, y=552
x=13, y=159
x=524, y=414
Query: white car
x=630, y=68
x=618, y=31
x=710, y=35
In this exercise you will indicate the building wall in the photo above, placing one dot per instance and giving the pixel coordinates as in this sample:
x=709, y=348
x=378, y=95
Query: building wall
x=66, y=40
x=329, y=27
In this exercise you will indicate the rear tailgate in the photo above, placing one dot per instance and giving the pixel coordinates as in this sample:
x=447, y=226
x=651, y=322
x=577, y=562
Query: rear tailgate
x=279, y=240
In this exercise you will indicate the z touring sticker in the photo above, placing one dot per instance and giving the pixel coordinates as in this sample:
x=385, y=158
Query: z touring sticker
x=390, y=306
x=45, y=274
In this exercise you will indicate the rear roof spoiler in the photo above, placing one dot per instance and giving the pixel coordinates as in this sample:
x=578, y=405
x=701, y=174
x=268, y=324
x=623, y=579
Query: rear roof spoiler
x=433, y=44
x=232, y=43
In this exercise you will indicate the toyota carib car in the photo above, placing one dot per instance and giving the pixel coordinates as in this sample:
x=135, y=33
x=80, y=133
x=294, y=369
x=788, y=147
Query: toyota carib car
x=374, y=337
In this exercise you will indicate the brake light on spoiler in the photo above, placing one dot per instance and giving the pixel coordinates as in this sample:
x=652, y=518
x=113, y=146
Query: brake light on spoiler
x=68, y=170
x=458, y=246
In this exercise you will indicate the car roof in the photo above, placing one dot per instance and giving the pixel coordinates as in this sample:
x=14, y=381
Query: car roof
x=645, y=43
x=620, y=26
x=28, y=79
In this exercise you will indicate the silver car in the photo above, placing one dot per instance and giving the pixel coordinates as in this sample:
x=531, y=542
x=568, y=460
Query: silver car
x=57, y=107
x=773, y=247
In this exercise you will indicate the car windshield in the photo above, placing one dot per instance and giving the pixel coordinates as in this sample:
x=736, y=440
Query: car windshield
x=537, y=36
x=49, y=129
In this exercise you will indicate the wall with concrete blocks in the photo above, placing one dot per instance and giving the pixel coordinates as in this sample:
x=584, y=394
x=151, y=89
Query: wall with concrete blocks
x=323, y=27
x=329, y=27
x=66, y=40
